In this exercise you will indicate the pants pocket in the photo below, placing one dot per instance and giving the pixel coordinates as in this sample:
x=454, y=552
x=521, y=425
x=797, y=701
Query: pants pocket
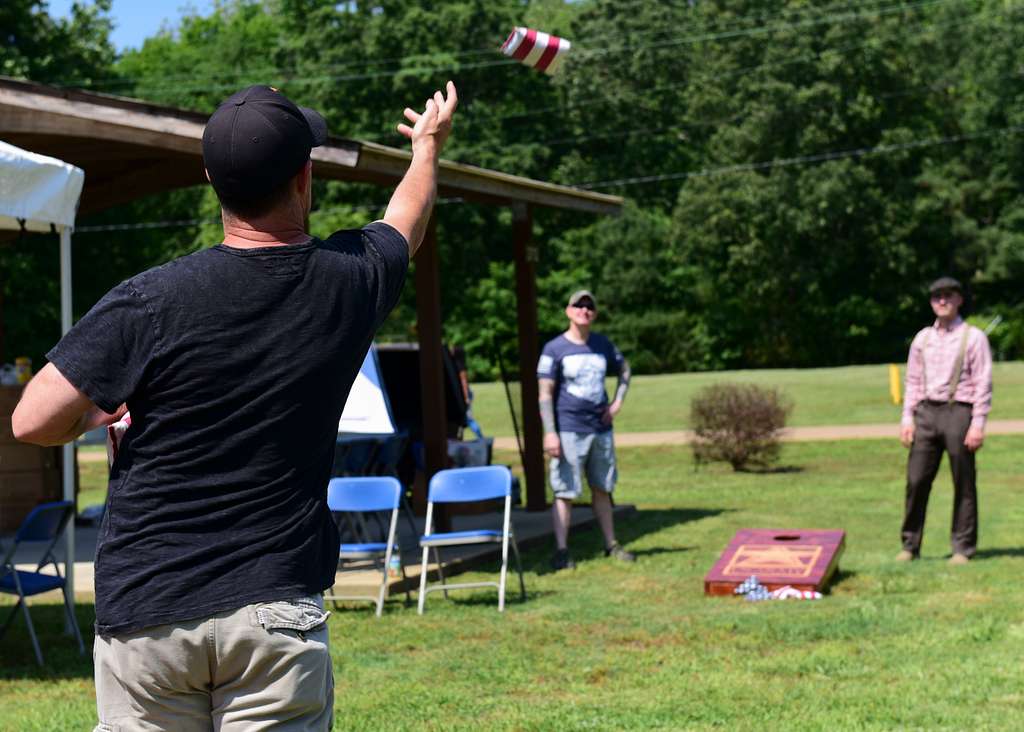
x=303, y=615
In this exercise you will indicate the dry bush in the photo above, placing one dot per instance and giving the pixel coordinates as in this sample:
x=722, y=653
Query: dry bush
x=738, y=424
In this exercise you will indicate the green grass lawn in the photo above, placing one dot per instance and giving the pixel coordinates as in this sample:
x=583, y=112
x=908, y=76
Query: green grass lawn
x=847, y=395
x=612, y=646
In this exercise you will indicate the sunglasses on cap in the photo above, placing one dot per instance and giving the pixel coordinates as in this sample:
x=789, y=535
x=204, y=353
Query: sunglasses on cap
x=585, y=305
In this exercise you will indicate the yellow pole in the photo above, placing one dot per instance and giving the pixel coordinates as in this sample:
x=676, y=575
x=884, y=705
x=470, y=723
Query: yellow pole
x=894, y=383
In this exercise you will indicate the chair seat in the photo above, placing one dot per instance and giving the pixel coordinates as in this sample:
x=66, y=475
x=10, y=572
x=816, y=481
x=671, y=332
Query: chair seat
x=32, y=583
x=479, y=536
x=369, y=549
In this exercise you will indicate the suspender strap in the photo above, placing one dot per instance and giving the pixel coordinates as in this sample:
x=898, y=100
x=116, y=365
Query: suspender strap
x=924, y=363
x=957, y=365
x=955, y=382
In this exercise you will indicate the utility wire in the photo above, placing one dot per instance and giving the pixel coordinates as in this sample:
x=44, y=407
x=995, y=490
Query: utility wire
x=674, y=129
x=735, y=73
x=805, y=159
x=583, y=53
x=877, y=150
x=443, y=56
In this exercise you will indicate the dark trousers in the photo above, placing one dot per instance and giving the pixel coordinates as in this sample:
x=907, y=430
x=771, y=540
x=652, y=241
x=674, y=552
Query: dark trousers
x=939, y=427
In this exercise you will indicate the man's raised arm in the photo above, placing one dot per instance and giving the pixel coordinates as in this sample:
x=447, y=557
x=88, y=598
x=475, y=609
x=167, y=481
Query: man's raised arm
x=413, y=199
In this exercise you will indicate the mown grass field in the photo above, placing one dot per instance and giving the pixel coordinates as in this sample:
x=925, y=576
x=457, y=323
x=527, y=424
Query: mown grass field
x=847, y=395
x=612, y=646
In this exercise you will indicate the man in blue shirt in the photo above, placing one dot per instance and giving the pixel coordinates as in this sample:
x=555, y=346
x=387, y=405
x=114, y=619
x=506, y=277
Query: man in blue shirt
x=577, y=419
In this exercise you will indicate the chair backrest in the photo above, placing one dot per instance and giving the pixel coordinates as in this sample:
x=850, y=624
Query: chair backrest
x=45, y=522
x=385, y=462
x=459, y=485
x=357, y=457
x=372, y=493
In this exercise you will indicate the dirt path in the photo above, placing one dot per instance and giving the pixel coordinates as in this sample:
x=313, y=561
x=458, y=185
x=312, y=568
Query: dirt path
x=683, y=437
x=793, y=434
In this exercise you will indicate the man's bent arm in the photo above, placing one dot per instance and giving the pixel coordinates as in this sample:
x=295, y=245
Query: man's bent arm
x=624, y=376
x=913, y=386
x=546, y=388
x=53, y=411
x=410, y=206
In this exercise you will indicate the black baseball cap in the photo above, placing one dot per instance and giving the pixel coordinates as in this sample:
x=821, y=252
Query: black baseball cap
x=945, y=283
x=256, y=140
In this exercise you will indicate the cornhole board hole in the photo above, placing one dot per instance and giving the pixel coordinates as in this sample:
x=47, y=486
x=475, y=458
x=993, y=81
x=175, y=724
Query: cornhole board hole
x=802, y=558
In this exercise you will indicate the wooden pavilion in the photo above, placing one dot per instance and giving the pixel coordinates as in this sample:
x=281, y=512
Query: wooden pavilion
x=130, y=149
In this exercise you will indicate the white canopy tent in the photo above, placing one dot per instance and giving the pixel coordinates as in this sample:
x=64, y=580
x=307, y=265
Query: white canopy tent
x=39, y=193
x=368, y=410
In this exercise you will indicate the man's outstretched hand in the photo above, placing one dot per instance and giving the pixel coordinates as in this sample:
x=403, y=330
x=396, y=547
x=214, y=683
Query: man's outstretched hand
x=431, y=127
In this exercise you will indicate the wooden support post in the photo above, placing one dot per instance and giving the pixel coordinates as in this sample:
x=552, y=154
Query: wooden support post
x=428, y=328
x=529, y=350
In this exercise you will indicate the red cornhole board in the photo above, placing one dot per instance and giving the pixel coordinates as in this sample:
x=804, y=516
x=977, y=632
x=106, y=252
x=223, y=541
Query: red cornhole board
x=802, y=558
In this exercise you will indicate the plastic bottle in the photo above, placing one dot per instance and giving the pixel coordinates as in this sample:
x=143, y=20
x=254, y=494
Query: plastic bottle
x=23, y=369
x=395, y=566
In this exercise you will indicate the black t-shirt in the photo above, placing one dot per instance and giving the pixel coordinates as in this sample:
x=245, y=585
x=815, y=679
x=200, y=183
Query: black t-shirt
x=235, y=365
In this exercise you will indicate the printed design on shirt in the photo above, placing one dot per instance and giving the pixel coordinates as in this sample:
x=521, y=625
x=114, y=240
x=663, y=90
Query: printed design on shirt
x=545, y=364
x=584, y=376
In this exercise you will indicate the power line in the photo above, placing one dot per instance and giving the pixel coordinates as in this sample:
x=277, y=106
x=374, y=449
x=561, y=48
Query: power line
x=805, y=159
x=736, y=73
x=595, y=53
x=640, y=180
x=743, y=71
x=440, y=55
x=675, y=129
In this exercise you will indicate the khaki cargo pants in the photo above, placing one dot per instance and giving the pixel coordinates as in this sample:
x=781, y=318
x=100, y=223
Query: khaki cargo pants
x=260, y=667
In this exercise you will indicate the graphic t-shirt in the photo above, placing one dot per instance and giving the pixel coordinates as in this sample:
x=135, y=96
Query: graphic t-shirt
x=578, y=371
x=235, y=364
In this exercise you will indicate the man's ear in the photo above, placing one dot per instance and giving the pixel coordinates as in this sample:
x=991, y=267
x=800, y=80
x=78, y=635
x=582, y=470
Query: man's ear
x=304, y=178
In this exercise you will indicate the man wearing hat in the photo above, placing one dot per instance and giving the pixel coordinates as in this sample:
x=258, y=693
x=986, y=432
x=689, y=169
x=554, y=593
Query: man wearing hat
x=235, y=362
x=577, y=420
x=948, y=396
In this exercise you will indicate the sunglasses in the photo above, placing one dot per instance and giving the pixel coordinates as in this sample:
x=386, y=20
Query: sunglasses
x=585, y=306
x=944, y=295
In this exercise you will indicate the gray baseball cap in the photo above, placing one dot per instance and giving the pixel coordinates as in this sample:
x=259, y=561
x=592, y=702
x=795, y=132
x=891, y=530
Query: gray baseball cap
x=579, y=295
x=946, y=283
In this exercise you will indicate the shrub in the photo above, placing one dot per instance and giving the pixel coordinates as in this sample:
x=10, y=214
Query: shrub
x=738, y=424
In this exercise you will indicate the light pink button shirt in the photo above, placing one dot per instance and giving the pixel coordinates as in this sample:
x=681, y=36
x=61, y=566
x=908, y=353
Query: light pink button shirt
x=936, y=359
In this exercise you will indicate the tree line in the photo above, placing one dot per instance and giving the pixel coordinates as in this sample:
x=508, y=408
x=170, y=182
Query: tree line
x=795, y=173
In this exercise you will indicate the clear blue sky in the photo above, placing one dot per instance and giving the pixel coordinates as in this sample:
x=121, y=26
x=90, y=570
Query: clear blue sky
x=136, y=20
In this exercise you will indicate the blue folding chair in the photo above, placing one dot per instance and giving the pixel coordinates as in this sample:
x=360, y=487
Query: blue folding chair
x=385, y=462
x=45, y=523
x=360, y=495
x=465, y=485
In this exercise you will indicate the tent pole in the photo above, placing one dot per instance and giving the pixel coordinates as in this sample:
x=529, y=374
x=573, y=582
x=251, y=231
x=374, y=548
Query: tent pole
x=68, y=463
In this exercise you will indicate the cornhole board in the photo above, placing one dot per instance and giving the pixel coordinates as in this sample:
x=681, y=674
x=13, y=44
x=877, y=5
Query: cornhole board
x=802, y=558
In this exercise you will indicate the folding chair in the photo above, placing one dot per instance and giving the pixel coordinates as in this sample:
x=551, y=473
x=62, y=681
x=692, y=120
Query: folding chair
x=354, y=457
x=45, y=523
x=385, y=462
x=361, y=495
x=462, y=485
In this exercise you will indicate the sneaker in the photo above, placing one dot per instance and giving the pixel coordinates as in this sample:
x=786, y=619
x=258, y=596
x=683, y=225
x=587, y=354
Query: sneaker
x=617, y=552
x=906, y=556
x=959, y=559
x=561, y=560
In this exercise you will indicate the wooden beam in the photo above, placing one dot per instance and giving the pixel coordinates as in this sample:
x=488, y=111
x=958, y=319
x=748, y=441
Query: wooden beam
x=476, y=183
x=50, y=113
x=526, y=257
x=428, y=330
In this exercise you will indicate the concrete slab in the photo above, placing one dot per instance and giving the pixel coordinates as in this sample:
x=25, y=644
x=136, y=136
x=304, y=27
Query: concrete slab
x=532, y=529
